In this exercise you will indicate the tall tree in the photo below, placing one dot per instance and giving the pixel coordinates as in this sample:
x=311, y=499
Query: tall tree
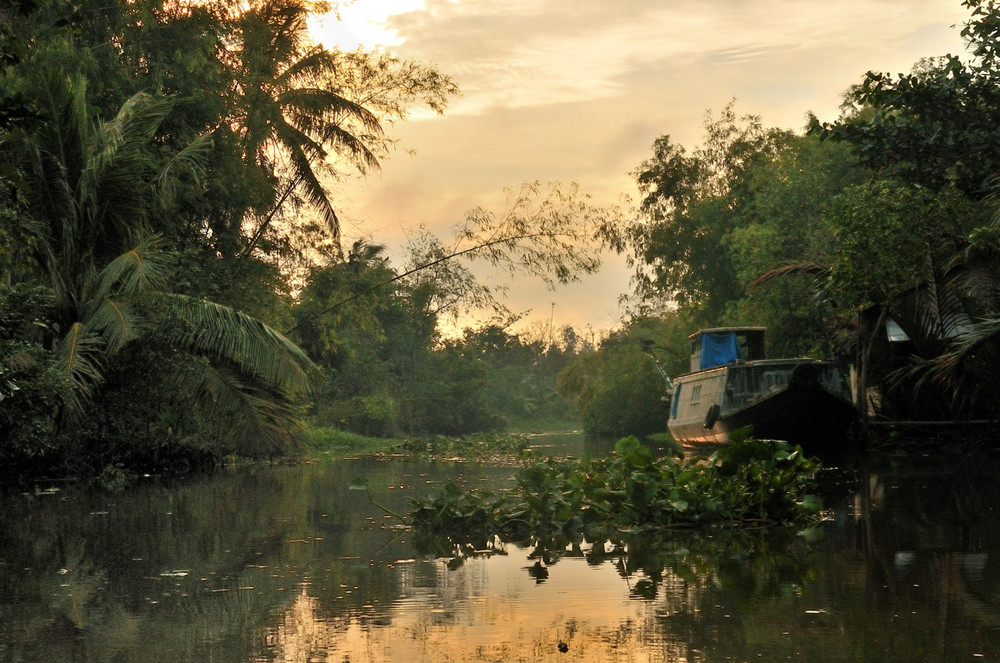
x=287, y=113
x=905, y=237
x=371, y=339
x=783, y=221
x=686, y=212
x=300, y=110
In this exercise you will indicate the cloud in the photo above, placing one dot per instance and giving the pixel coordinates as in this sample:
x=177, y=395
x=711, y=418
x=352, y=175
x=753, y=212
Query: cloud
x=516, y=53
x=578, y=91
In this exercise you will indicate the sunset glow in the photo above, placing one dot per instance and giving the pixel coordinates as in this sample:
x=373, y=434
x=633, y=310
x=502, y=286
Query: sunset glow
x=555, y=91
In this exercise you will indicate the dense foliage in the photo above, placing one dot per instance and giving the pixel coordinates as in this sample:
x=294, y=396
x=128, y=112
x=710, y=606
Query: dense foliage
x=166, y=171
x=936, y=126
x=620, y=389
x=32, y=388
x=757, y=199
x=167, y=196
x=389, y=372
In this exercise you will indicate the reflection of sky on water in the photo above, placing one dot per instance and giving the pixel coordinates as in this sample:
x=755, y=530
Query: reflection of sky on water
x=487, y=610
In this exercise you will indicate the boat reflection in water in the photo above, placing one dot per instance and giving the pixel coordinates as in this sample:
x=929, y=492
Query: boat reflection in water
x=732, y=385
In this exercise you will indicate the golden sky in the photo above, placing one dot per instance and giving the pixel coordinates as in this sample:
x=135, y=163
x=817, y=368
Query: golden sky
x=554, y=90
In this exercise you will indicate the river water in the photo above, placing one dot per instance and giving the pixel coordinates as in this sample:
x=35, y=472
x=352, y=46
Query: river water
x=287, y=564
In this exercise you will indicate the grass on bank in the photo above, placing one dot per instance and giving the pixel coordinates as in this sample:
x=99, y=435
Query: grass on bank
x=322, y=441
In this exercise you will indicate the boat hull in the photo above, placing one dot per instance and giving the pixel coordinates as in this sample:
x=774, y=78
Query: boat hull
x=802, y=401
x=807, y=415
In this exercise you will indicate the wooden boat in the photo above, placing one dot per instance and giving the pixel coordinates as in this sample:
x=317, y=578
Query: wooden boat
x=732, y=385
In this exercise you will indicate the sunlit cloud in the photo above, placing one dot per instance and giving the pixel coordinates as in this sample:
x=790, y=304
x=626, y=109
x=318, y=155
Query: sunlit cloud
x=362, y=24
x=560, y=90
x=514, y=54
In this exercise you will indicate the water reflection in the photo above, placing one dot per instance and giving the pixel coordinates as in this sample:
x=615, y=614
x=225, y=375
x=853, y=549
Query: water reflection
x=286, y=564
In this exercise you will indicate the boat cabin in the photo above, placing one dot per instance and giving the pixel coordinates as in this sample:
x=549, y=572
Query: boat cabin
x=720, y=346
x=732, y=385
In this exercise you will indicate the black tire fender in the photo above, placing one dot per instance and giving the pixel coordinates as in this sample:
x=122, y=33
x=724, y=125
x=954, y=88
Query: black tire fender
x=712, y=416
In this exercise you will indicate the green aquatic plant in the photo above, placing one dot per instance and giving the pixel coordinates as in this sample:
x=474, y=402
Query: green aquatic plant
x=476, y=446
x=560, y=503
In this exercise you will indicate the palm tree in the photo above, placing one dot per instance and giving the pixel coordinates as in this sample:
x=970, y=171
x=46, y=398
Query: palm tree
x=288, y=112
x=91, y=191
x=972, y=324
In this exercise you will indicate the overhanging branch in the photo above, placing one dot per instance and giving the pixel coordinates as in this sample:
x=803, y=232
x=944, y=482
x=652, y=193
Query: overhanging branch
x=367, y=291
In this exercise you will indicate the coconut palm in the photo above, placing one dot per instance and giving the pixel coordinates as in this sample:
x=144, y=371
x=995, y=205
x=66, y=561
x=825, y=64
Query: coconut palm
x=91, y=191
x=287, y=111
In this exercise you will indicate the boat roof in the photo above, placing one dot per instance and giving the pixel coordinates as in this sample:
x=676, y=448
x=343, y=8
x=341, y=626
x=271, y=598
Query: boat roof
x=724, y=330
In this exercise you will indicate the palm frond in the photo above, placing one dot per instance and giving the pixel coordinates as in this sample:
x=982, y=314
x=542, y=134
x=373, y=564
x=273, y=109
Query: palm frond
x=315, y=193
x=116, y=322
x=938, y=311
x=298, y=142
x=975, y=271
x=977, y=335
x=309, y=66
x=931, y=313
x=118, y=149
x=135, y=272
x=346, y=141
x=981, y=283
x=328, y=106
x=191, y=160
x=244, y=417
x=52, y=156
x=219, y=332
x=79, y=355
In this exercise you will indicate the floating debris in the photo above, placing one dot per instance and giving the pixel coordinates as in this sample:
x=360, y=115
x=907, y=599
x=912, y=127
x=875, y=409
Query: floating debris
x=176, y=573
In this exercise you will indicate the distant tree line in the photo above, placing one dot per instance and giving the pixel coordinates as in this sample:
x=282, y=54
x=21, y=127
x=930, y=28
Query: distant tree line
x=390, y=371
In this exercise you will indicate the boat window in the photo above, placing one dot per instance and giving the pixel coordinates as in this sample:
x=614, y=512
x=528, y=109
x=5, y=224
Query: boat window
x=774, y=379
x=738, y=380
x=695, y=394
x=677, y=400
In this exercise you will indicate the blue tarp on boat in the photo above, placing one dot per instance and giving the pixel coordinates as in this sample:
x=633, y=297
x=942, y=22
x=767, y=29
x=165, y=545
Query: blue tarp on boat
x=719, y=349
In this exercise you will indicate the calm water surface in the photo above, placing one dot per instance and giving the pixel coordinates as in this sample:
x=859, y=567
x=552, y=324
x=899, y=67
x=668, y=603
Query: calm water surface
x=287, y=564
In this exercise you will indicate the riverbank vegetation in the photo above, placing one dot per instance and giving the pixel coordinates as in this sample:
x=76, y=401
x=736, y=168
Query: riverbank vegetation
x=493, y=447
x=884, y=218
x=173, y=288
